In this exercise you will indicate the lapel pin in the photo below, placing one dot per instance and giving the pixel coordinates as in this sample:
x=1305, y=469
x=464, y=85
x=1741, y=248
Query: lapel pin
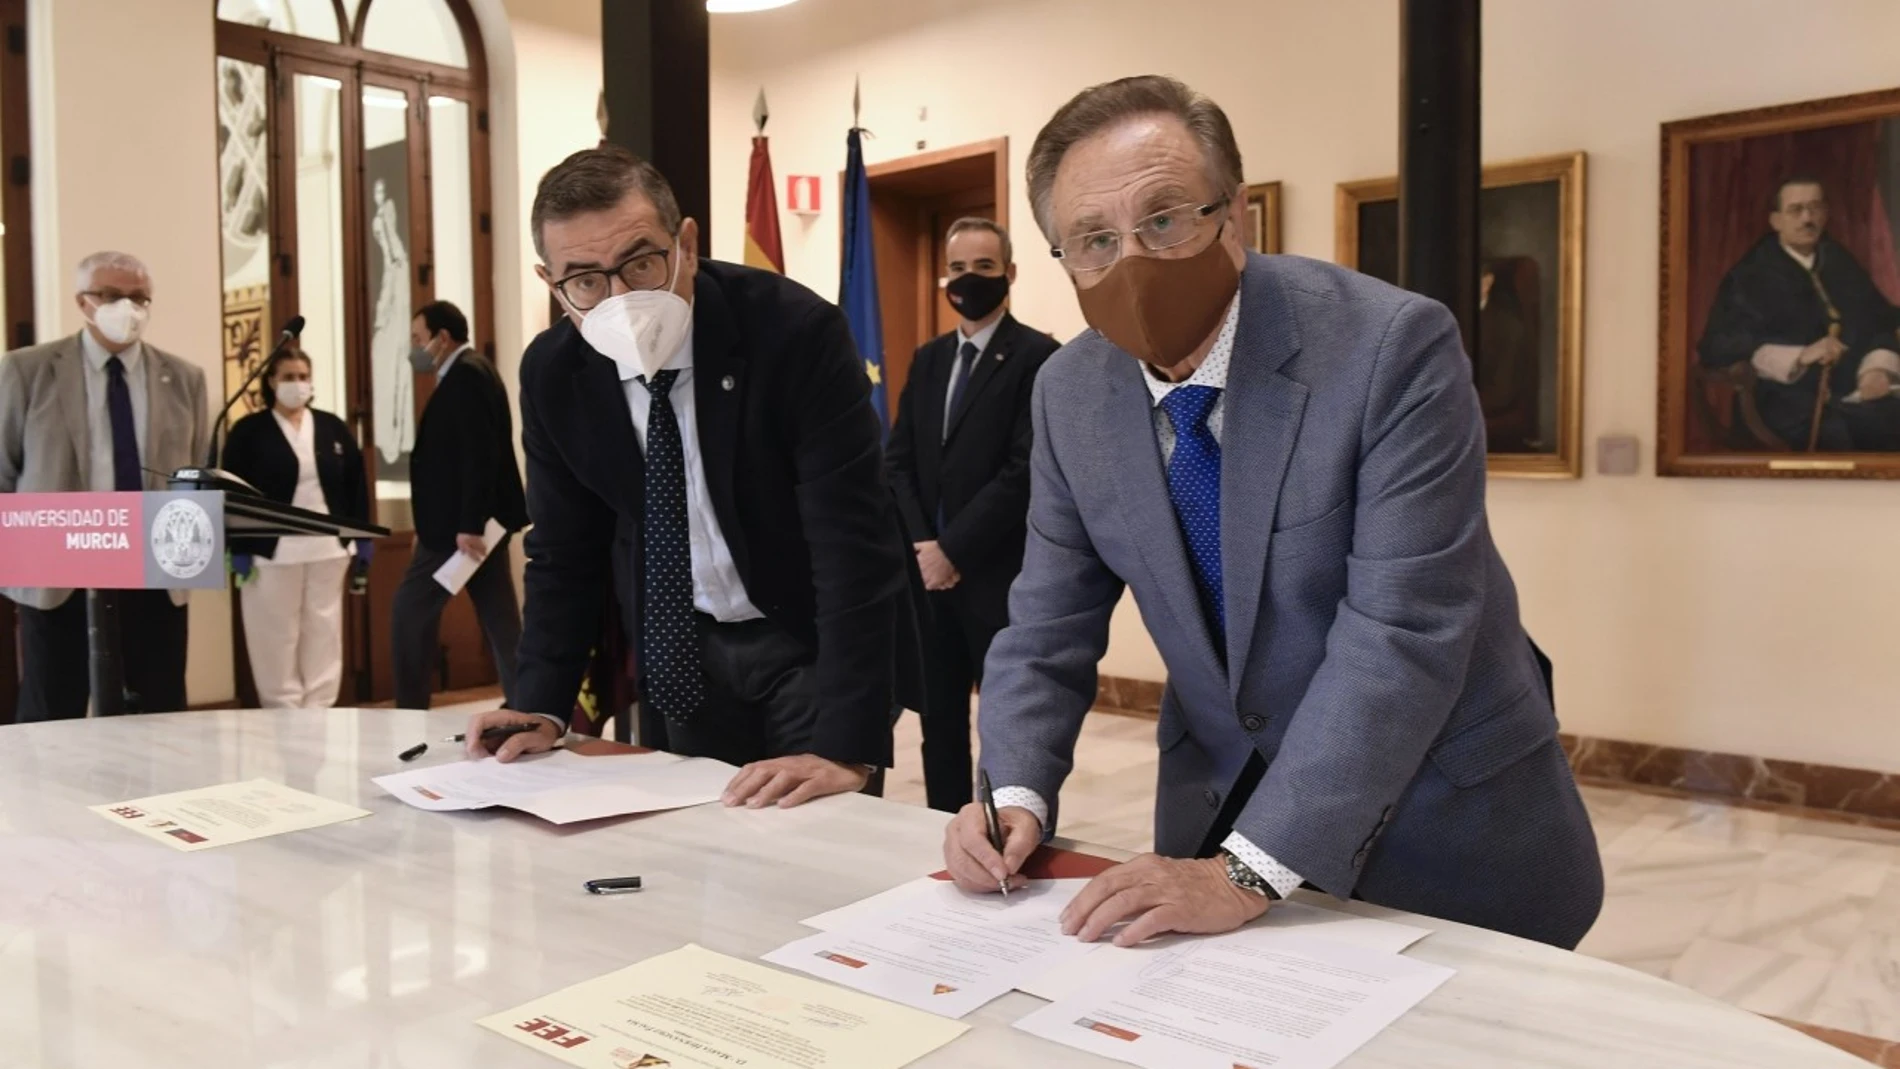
x=999, y=357
x=726, y=384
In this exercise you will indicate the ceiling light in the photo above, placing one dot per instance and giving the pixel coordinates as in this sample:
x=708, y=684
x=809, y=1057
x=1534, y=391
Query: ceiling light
x=735, y=7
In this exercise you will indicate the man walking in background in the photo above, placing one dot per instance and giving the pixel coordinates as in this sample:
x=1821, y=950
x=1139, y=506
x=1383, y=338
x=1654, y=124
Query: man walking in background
x=462, y=475
x=959, y=461
x=99, y=411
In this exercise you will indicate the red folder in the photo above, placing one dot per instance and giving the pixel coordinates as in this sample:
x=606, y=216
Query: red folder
x=1053, y=863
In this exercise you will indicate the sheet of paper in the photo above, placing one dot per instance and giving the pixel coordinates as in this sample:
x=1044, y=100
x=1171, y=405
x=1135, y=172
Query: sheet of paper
x=227, y=813
x=1368, y=933
x=562, y=787
x=694, y=1008
x=1070, y=976
x=455, y=572
x=1249, y=1000
x=948, y=952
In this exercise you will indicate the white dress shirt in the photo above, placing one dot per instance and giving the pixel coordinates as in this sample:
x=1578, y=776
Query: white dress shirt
x=99, y=417
x=1211, y=372
x=304, y=549
x=981, y=339
x=717, y=589
x=442, y=371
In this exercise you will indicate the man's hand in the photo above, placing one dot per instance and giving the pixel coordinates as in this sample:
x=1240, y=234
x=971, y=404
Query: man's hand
x=540, y=740
x=1826, y=351
x=1157, y=895
x=790, y=781
x=472, y=545
x=1875, y=384
x=974, y=863
x=939, y=573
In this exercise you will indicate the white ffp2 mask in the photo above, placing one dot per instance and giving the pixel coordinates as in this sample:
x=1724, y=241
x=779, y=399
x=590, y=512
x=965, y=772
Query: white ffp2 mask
x=640, y=330
x=122, y=321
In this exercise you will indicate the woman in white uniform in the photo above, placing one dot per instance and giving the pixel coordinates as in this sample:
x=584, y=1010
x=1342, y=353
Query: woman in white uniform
x=292, y=588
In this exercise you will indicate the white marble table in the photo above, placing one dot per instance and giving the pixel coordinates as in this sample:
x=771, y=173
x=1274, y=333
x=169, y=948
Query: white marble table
x=378, y=942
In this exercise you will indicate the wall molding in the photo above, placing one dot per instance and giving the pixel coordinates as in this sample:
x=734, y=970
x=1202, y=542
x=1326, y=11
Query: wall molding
x=1856, y=792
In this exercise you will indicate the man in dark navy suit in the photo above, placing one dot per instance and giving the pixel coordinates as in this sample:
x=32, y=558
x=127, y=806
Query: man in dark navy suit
x=959, y=459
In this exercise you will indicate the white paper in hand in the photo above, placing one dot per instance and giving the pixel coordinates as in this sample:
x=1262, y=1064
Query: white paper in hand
x=456, y=571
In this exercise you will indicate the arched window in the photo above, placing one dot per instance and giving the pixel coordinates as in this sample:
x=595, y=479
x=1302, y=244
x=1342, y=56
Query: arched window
x=353, y=171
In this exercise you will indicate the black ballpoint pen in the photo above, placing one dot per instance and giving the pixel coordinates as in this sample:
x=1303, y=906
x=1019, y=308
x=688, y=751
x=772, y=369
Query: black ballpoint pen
x=988, y=799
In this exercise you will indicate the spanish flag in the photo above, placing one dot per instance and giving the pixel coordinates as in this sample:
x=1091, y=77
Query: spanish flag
x=762, y=246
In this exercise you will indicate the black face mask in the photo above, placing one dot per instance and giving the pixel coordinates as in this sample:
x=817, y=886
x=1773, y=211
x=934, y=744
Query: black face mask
x=975, y=296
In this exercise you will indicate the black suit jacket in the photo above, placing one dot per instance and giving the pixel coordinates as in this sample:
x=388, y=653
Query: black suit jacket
x=257, y=452
x=977, y=478
x=791, y=449
x=463, y=471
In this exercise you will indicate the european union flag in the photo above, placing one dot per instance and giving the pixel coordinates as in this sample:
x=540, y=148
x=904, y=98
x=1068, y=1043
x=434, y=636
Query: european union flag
x=858, y=290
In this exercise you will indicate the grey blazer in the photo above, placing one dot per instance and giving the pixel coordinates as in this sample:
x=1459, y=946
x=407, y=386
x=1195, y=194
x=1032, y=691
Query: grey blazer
x=44, y=442
x=1373, y=656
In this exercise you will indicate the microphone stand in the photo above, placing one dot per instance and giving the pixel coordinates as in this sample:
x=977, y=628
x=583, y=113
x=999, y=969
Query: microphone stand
x=224, y=414
x=211, y=477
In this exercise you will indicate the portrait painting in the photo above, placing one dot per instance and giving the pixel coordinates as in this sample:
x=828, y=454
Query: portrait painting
x=1780, y=292
x=1527, y=357
x=1263, y=217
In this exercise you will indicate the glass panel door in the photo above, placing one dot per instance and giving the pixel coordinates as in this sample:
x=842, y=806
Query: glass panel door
x=319, y=179
x=389, y=300
x=451, y=210
x=244, y=206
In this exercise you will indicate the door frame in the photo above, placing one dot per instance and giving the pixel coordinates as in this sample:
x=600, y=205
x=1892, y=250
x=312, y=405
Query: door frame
x=905, y=193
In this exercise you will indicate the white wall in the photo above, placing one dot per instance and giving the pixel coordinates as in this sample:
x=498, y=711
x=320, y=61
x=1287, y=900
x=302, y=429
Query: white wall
x=1738, y=615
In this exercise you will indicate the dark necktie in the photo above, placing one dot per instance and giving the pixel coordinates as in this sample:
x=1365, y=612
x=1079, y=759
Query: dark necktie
x=669, y=635
x=960, y=383
x=1194, y=487
x=125, y=434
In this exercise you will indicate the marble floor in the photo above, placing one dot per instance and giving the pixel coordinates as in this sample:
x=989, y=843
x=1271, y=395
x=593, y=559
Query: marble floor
x=1776, y=912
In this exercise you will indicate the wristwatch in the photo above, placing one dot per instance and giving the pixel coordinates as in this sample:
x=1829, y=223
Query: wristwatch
x=1247, y=879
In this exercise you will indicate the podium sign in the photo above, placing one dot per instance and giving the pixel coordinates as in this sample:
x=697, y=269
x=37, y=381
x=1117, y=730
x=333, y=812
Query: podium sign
x=163, y=540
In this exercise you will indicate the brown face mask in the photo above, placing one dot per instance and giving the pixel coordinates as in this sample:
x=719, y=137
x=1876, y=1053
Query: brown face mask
x=1160, y=311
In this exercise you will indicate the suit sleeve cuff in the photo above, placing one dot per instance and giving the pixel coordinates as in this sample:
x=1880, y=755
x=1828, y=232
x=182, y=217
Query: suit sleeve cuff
x=1283, y=880
x=555, y=720
x=1778, y=363
x=1024, y=798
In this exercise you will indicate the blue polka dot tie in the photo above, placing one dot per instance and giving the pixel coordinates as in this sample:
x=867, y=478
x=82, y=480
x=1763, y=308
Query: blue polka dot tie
x=669, y=636
x=1194, y=487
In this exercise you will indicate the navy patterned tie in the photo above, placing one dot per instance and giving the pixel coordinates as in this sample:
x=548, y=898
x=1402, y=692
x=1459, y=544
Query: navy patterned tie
x=125, y=435
x=1194, y=487
x=669, y=636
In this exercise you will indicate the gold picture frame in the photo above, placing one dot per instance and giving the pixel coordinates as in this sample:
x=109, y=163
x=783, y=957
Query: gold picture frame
x=1548, y=195
x=1723, y=177
x=1264, y=212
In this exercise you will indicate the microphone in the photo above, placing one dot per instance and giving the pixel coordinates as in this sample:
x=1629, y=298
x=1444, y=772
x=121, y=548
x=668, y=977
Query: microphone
x=292, y=330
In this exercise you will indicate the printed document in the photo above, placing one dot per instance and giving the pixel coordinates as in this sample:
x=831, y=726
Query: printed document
x=562, y=787
x=228, y=813
x=946, y=951
x=456, y=571
x=1071, y=976
x=1252, y=999
x=694, y=1009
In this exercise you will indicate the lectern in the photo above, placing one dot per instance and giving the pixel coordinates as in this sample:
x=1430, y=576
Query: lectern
x=156, y=540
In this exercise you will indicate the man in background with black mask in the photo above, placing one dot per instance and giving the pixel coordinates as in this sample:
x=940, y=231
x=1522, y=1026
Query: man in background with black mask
x=959, y=460
x=462, y=474
x=1284, y=460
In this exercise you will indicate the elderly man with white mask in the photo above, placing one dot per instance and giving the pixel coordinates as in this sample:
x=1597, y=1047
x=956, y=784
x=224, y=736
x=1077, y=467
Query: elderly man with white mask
x=100, y=410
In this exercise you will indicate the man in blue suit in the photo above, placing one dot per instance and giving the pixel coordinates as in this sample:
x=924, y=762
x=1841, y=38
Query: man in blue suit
x=1352, y=702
